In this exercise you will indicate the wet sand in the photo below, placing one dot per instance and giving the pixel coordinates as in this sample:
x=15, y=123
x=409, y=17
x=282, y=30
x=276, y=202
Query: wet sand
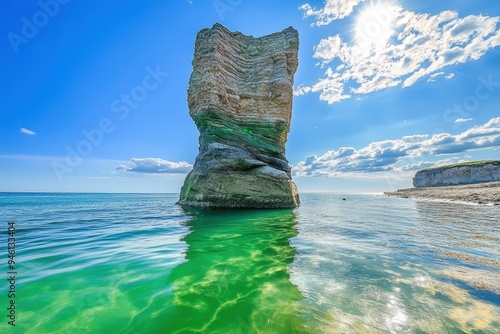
x=482, y=193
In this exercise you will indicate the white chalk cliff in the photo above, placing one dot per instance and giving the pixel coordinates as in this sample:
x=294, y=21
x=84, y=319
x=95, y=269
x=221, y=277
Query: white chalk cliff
x=466, y=173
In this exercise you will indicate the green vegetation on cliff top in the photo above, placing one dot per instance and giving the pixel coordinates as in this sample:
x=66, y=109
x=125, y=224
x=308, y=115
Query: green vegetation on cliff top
x=466, y=163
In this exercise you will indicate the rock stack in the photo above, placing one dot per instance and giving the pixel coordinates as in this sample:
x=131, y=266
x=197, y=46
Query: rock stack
x=240, y=98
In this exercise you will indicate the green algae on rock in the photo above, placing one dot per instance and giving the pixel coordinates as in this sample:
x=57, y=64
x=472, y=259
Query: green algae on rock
x=240, y=98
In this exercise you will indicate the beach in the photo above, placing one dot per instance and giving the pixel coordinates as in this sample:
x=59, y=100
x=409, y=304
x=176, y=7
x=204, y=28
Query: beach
x=481, y=193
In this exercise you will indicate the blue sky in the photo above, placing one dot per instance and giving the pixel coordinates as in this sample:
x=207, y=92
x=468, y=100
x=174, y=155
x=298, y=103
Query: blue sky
x=94, y=93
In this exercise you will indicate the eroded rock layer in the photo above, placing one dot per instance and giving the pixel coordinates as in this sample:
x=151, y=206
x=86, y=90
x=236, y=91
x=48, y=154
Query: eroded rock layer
x=464, y=173
x=240, y=98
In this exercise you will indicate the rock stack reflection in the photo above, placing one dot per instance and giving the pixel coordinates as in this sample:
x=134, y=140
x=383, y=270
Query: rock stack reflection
x=236, y=276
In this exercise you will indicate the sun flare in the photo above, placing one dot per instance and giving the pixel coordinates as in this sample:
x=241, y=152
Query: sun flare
x=375, y=24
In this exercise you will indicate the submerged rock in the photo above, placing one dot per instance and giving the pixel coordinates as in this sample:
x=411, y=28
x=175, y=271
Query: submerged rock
x=240, y=98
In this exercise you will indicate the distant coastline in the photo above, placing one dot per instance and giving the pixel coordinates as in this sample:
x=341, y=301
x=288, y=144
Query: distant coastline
x=480, y=193
x=469, y=172
x=471, y=181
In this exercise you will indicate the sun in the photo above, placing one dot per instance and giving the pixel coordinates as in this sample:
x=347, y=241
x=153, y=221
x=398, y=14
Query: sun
x=375, y=24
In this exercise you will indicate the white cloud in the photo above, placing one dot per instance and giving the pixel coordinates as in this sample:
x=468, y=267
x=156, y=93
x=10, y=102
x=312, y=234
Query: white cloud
x=462, y=120
x=395, y=47
x=301, y=90
x=412, y=166
x=156, y=166
x=27, y=132
x=332, y=10
x=432, y=77
x=393, y=155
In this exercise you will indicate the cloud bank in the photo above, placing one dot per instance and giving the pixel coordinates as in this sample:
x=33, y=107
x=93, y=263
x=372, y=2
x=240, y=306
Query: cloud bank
x=390, y=155
x=394, y=47
x=156, y=166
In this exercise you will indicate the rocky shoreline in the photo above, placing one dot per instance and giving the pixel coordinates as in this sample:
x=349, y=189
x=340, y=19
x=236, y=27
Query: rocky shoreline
x=481, y=193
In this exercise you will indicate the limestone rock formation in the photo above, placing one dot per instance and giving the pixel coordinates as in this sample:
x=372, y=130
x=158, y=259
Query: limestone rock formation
x=240, y=98
x=464, y=173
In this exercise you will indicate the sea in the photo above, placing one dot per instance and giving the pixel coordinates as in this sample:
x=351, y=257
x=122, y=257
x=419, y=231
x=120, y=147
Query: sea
x=339, y=263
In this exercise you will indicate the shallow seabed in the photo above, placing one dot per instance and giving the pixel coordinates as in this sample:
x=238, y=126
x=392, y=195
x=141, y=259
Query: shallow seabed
x=137, y=263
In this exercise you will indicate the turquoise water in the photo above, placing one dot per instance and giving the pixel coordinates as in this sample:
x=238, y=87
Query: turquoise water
x=137, y=263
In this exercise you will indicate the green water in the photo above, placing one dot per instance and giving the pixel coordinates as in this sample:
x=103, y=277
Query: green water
x=233, y=278
x=137, y=263
x=236, y=279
